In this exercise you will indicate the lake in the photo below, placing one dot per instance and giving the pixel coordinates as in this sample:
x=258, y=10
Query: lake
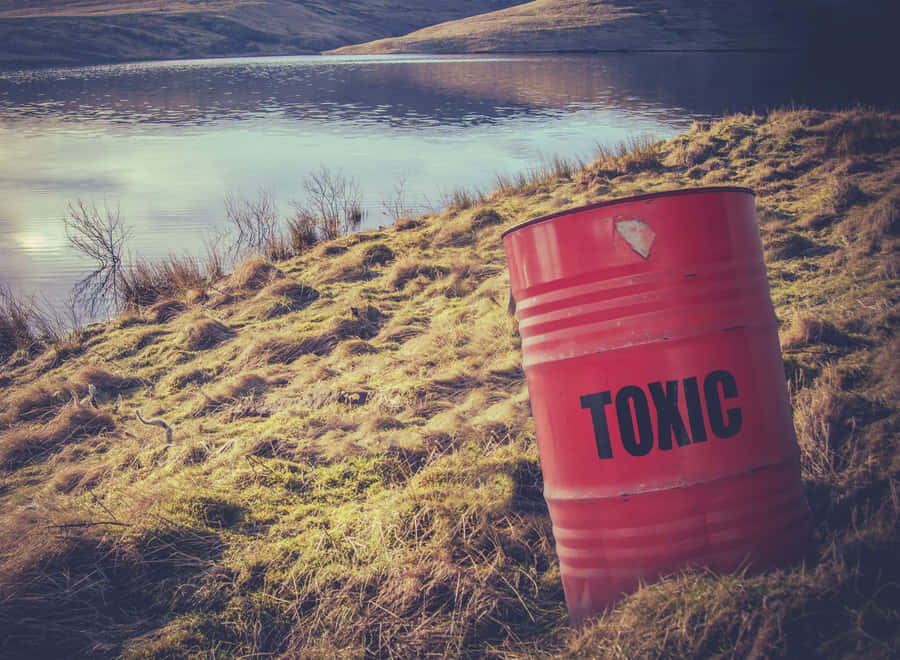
x=165, y=142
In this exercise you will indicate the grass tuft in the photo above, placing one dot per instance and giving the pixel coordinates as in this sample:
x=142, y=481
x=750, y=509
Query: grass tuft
x=378, y=254
x=21, y=446
x=205, y=333
x=806, y=330
x=164, y=310
x=253, y=274
x=411, y=268
x=285, y=296
x=16, y=319
x=145, y=283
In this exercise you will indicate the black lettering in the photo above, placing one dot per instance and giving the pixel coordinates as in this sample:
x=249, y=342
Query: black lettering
x=717, y=422
x=597, y=403
x=643, y=443
x=668, y=418
x=695, y=410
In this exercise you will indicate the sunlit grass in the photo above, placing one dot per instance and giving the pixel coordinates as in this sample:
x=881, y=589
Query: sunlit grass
x=353, y=468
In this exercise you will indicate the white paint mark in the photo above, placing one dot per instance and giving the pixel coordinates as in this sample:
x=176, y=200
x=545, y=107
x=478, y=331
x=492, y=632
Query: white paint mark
x=638, y=234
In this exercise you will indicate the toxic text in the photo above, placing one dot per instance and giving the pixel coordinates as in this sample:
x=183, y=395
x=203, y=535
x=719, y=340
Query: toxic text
x=635, y=425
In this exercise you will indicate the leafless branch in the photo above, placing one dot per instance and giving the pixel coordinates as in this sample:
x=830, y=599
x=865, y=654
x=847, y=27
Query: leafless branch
x=101, y=236
x=333, y=204
x=254, y=221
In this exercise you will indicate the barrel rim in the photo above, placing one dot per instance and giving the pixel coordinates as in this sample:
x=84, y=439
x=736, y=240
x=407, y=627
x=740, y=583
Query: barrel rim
x=625, y=200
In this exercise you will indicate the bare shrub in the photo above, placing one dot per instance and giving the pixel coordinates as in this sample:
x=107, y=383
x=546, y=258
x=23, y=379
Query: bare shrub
x=302, y=232
x=16, y=318
x=254, y=222
x=460, y=199
x=215, y=259
x=101, y=236
x=280, y=247
x=332, y=208
x=397, y=206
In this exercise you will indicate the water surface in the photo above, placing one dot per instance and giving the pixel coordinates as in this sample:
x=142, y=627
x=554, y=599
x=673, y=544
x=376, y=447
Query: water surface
x=165, y=142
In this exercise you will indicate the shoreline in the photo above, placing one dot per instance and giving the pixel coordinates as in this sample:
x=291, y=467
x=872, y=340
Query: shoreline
x=11, y=66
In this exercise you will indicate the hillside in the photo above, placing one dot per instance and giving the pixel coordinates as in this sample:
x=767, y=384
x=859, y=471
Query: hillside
x=97, y=31
x=653, y=25
x=94, y=31
x=352, y=469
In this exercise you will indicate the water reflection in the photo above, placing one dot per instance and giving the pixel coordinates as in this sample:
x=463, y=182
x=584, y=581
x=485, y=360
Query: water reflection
x=428, y=91
x=411, y=93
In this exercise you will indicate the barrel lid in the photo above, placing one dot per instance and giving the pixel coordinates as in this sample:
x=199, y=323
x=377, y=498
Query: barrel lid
x=623, y=200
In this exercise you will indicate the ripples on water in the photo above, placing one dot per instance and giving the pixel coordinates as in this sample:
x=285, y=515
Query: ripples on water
x=166, y=141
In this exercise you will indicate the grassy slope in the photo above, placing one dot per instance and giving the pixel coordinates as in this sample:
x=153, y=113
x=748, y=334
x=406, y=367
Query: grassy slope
x=655, y=25
x=53, y=31
x=356, y=472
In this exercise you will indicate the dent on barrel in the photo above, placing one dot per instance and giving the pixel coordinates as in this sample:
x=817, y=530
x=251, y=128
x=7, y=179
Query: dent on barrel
x=638, y=234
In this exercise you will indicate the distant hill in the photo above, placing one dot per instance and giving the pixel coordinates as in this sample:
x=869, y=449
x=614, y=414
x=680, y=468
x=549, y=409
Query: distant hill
x=94, y=31
x=654, y=25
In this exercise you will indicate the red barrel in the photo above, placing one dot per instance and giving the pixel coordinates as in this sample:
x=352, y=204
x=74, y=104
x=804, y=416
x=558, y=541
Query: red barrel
x=663, y=422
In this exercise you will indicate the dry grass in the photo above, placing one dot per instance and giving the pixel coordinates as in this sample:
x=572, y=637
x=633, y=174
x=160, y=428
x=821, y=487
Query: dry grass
x=244, y=388
x=145, y=283
x=253, y=274
x=638, y=154
x=23, y=445
x=16, y=317
x=106, y=382
x=410, y=268
x=165, y=310
x=806, y=330
x=378, y=254
x=875, y=225
x=205, y=333
x=34, y=401
x=285, y=350
x=359, y=477
x=285, y=296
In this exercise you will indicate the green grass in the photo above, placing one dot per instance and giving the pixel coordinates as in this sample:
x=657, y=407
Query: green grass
x=354, y=471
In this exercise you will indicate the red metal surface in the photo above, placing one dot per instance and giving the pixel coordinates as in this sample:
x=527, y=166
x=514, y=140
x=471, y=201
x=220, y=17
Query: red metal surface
x=655, y=376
